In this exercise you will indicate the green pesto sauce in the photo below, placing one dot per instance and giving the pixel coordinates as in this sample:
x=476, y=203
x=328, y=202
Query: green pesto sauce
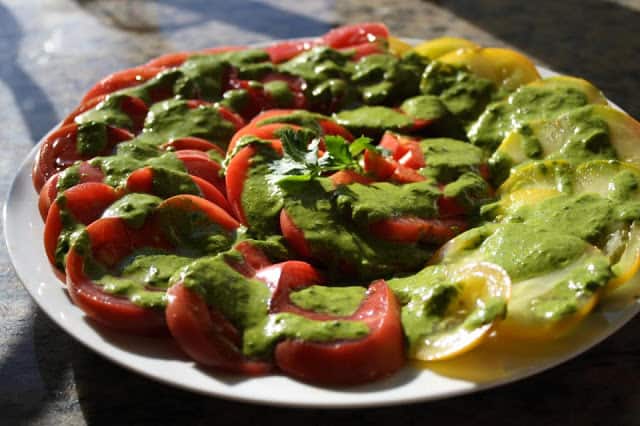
x=142, y=277
x=469, y=190
x=425, y=107
x=364, y=204
x=342, y=301
x=279, y=91
x=261, y=200
x=172, y=119
x=68, y=178
x=383, y=78
x=526, y=104
x=68, y=233
x=245, y=302
x=339, y=241
x=373, y=120
x=299, y=118
x=447, y=159
x=107, y=112
x=260, y=340
x=525, y=251
x=133, y=208
x=464, y=94
x=91, y=138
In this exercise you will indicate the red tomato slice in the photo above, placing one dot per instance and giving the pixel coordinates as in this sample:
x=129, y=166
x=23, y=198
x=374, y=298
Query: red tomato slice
x=266, y=132
x=213, y=211
x=403, y=174
x=49, y=191
x=352, y=35
x=235, y=176
x=205, y=335
x=373, y=357
x=364, y=49
x=85, y=202
x=413, y=229
x=176, y=59
x=276, y=112
x=121, y=80
x=201, y=165
x=285, y=277
x=378, y=166
x=294, y=236
x=110, y=236
x=235, y=119
x=448, y=207
x=58, y=151
x=253, y=258
x=285, y=50
x=192, y=143
x=134, y=107
x=346, y=177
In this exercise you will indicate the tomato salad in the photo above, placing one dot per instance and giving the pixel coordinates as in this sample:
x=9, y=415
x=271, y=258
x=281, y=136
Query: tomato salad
x=329, y=208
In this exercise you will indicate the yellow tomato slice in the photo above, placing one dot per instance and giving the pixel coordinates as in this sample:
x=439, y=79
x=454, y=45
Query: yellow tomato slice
x=594, y=95
x=527, y=320
x=397, y=46
x=484, y=288
x=548, y=174
x=629, y=262
x=507, y=68
x=438, y=47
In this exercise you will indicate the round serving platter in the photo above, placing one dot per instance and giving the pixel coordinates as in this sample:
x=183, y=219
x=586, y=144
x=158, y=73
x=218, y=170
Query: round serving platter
x=494, y=363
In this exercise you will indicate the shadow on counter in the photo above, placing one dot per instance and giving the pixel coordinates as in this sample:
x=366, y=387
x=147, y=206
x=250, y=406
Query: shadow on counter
x=35, y=106
x=108, y=394
x=595, y=40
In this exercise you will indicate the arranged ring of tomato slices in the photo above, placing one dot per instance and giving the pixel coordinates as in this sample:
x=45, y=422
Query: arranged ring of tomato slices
x=302, y=166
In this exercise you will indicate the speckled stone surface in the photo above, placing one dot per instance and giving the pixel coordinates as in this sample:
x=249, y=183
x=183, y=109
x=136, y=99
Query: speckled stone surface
x=53, y=50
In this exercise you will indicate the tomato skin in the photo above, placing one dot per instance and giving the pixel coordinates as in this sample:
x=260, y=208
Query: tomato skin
x=267, y=132
x=85, y=202
x=294, y=236
x=205, y=335
x=58, y=151
x=373, y=357
x=192, y=143
x=134, y=107
x=49, y=191
x=286, y=50
x=199, y=164
x=194, y=203
x=351, y=35
x=412, y=229
x=109, y=310
x=121, y=80
x=346, y=177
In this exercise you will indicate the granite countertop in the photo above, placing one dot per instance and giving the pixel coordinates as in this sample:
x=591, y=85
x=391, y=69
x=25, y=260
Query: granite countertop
x=53, y=50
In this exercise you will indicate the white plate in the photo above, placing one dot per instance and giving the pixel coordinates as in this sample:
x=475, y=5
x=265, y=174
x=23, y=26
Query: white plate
x=488, y=366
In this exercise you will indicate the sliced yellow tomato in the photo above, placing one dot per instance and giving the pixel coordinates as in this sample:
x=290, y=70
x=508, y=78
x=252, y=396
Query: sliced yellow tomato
x=397, y=46
x=532, y=313
x=462, y=246
x=602, y=177
x=624, y=133
x=548, y=174
x=435, y=48
x=628, y=263
x=507, y=68
x=594, y=95
x=512, y=201
x=484, y=290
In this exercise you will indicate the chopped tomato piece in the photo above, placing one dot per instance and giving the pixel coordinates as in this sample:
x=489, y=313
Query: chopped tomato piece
x=413, y=229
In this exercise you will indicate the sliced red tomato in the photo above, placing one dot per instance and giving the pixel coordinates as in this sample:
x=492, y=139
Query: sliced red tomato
x=285, y=50
x=192, y=143
x=176, y=59
x=110, y=237
x=373, y=357
x=49, y=192
x=121, y=80
x=378, y=166
x=365, y=49
x=214, y=212
x=413, y=229
x=85, y=203
x=346, y=177
x=449, y=207
x=296, y=85
x=205, y=335
x=294, y=236
x=141, y=180
x=266, y=132
x=59, y=151
x=404, y=174
x=352, y=35
x=404, y=149
x=201, y=165
x=134, y=107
